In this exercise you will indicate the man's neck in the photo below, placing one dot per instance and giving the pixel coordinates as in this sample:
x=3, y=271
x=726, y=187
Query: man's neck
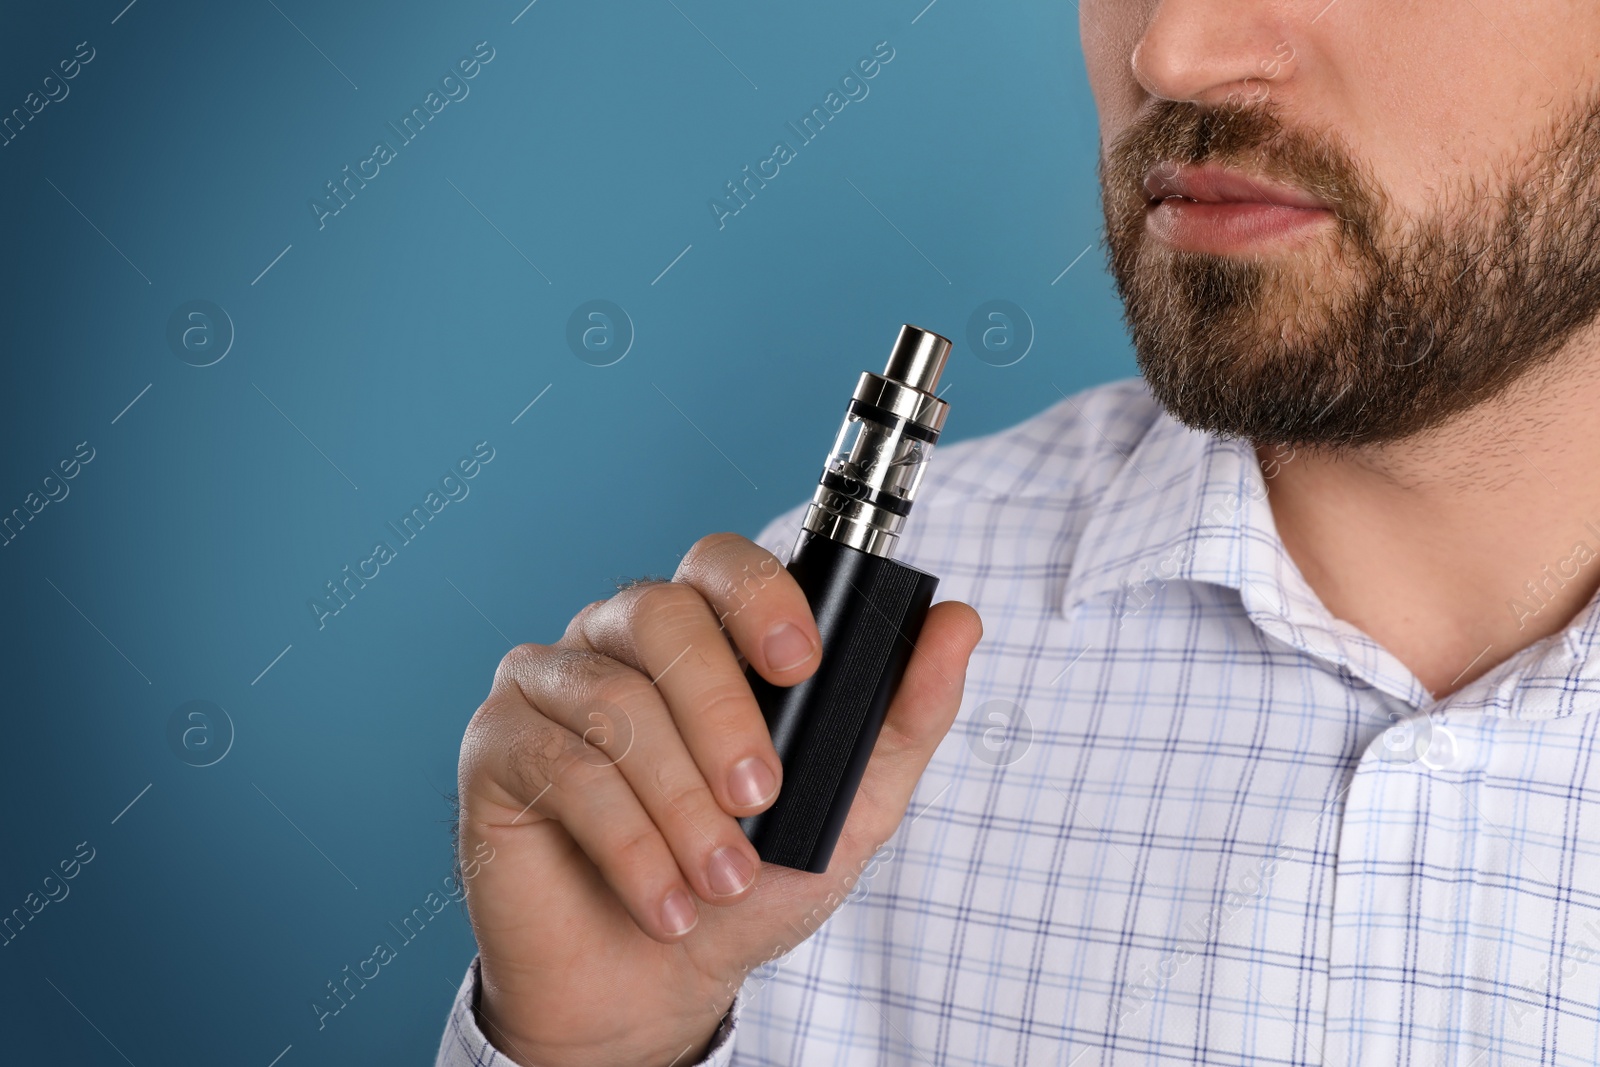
x=1459, y=547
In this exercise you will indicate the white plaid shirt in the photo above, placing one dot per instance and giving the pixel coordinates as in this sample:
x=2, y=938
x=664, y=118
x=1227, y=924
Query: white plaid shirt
x=1224, y=827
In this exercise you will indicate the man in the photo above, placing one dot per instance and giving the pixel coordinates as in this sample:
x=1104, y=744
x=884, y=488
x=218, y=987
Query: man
x=1306, y=776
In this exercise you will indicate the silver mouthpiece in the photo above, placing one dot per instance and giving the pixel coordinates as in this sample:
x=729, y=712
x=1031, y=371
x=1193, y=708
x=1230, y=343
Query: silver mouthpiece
x=918, y=358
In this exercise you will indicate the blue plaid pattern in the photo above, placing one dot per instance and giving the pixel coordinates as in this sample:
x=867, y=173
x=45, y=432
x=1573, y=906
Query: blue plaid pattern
x=1186, y=815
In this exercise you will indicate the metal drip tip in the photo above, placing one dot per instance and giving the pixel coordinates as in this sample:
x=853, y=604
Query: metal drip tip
x=918, y=358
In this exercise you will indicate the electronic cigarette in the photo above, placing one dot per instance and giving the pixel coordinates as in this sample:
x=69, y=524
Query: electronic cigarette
x=868, y=608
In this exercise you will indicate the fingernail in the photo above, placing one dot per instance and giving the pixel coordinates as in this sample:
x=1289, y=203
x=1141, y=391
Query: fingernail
x=678, y=914
x=786, y=647
x=751, y=782
x=729, y=871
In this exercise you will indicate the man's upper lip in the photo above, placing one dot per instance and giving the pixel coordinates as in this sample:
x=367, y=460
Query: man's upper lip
x=1218, y=185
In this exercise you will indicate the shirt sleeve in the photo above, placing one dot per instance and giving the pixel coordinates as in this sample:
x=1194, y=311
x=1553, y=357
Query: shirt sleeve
x=464, y=1044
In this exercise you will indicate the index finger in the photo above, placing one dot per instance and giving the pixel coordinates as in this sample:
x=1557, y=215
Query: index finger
x=758, y=603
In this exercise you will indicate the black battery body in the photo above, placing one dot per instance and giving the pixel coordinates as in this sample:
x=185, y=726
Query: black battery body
x=869, y=610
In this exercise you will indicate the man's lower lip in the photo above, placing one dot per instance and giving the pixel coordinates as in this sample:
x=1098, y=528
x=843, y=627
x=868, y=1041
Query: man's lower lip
x=1189, y=226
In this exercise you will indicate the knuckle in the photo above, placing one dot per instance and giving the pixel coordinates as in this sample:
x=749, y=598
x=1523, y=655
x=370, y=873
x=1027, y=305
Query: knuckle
x=718, y=559
x=580, y=620
x=665, y=605
x=621, y=687
x=543, y=755
x=517, y=662
x=895, y=744
x=480, y=732
x=477, y=744
x=711, y=548
x=633, y=851
x=683, y=793
x=733, y=570
x=579, y=667
x=726, y=703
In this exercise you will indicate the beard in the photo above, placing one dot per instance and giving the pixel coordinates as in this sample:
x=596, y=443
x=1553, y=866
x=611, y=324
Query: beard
x=1391, y=327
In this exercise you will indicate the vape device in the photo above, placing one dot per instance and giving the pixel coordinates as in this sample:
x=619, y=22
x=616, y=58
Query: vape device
x=868, y=608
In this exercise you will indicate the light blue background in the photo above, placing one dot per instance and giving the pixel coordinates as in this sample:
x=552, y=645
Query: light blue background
x=181, y=163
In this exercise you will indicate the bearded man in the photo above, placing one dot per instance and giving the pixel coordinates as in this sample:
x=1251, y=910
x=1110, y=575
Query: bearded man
x=1281, y=723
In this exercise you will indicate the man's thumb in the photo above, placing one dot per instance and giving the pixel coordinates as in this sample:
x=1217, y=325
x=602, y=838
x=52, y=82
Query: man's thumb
x=922, y=710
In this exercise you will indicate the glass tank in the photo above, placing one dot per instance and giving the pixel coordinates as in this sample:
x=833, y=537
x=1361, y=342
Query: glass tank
x=877, y=463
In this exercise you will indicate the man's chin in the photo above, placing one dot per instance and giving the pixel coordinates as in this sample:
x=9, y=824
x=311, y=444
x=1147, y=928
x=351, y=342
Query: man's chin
x=1251, y=349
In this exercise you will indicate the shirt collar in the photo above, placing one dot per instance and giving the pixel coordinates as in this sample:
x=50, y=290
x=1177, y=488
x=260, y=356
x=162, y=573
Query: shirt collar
x=1188, y=506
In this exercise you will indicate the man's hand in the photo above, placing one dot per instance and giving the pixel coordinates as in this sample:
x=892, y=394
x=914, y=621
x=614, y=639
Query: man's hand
x=623, y=905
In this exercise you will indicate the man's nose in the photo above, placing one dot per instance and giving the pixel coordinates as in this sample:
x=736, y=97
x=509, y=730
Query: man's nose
x=1209, y=52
